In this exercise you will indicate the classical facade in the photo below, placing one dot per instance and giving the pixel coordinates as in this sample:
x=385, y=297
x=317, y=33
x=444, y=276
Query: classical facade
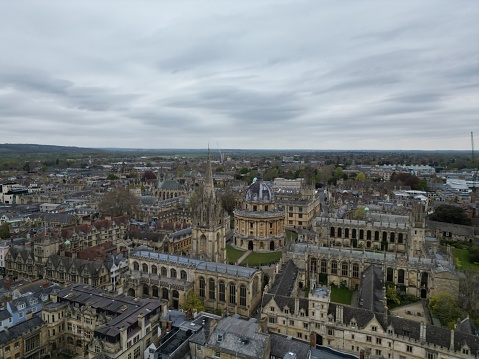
x=299, y=201
x=28, y=339
x=210, y=223
x=82, y=320
x=227, y=288
x=259, y=223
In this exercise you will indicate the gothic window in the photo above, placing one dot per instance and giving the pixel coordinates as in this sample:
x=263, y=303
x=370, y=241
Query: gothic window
x=154, y=269
x=346, y=233
x=354, y=233
x=183, y=275
x=355, y=270
x=222, y=290
x=202, y=287
x=401, y=276
x=211, y=288
x=164, y=271
x=344, y=269
x=232, y=293
x=144, y=267
x=368, y=235
x=173, y=273
x=332, y=234
x=392, y=237
x=136, y=266
x=340, y=232
x=334, y=267
x=242, y=295
x=376, y=236
x=400, y=238
x=361, y=234
x=313, y=265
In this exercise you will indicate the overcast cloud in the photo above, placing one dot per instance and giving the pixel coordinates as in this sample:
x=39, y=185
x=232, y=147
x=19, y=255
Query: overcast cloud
x=243, y=74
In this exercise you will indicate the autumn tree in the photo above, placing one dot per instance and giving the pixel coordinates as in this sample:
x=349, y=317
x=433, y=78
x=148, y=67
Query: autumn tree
x=119, y=201
x=361, y=177
x=444, y=306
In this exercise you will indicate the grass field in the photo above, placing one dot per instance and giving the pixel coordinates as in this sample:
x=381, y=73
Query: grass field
x=341, y=295
x=462, y=260
x=291, y=235
x=256, y=259
x=233, y=254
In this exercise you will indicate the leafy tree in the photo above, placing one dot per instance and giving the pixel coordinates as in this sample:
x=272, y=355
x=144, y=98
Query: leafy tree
x=5, y=230
x=118, y=202
x=219, y=169
x=450, y=214
x=192, y=302
x=444, y=306
x=244, y=170
x=112, y=177
x=361, y=177
x=228, y=201
x=392, y=296
x=359, y=213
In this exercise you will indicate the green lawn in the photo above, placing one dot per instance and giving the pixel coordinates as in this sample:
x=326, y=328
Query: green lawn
x=462, y=260
x=341, y=295
x=256, y=259
x=233, y=254
x=291, y=235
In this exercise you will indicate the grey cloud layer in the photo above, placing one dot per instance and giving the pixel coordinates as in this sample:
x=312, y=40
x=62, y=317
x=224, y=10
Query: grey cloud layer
x=270, y=74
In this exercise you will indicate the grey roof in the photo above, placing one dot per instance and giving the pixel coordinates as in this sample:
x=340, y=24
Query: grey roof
x=4, y=314
x=16, y=331
x=281, y=345
x=239, y=336
x=285, y=279
x=198, y=264
x=371, y=292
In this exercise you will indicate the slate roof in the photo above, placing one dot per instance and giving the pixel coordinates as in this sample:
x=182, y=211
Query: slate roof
x=234, y=335
x=19, y=329
x=285, y=279
x=280, y=345
x=371, y=292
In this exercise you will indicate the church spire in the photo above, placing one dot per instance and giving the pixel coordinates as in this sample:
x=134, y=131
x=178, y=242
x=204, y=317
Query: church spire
x=208, y=184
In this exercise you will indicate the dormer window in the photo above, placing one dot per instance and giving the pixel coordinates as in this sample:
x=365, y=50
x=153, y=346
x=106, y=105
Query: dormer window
x=374, y=328
x=220, y=337
x=286, y=311
x=353, y=323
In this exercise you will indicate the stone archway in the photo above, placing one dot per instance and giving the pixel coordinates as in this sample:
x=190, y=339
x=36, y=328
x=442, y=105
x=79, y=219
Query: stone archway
x=131, y=292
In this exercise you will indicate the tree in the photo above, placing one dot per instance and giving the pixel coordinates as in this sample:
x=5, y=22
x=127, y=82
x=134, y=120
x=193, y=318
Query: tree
x=450, y=214
x=193, y=302
x=359, y=213
x=5, y=230
x=112, y=177
x=392, y=295
x=228, y=201
x=444, y=307
x=361, y=177
x=118, y=202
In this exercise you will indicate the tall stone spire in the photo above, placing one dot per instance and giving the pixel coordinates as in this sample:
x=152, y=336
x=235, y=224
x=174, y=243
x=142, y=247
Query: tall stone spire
x=209, y=186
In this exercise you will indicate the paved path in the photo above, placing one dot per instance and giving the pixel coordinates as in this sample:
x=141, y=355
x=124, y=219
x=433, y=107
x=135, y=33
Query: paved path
x=242, y=258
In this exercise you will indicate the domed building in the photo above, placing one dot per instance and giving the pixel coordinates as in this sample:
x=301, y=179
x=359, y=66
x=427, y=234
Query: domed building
x=259, y=223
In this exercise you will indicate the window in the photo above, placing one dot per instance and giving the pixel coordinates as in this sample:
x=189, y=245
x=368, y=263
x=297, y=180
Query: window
x=330, y=331
x=299, y=335
x=378, y=341
x=232, y=293
x=183, y=275
x=286, y=311
x=220, y=337
x=217, y=354
x=291, y=322
x=137, y=352
x=305, y=325
x=369, y=339
x=222, y=291
x=202, y=287
x=431, y=356
x=334, y=267
x=344, y=269
x=272, y=320
x=355, y=270
x=211, y=288
x=378, y=352
x=409, y=348
x=243, y=295
x=374, y=329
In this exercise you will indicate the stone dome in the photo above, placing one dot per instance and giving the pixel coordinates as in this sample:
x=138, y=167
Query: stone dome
x=259, y=191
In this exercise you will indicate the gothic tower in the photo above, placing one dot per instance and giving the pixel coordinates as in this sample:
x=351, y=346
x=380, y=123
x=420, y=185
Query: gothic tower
x=417, y=219
x=210, y=223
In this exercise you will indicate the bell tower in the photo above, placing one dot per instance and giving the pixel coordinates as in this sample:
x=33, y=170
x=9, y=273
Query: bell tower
x=210, y=222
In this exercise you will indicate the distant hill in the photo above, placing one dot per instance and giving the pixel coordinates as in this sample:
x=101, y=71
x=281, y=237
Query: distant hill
x=10, y=149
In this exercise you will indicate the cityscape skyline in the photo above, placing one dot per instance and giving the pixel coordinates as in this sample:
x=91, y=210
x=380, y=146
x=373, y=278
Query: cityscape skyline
x=277, y=74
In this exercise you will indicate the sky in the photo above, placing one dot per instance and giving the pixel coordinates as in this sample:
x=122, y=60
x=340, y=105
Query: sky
x=318, y=75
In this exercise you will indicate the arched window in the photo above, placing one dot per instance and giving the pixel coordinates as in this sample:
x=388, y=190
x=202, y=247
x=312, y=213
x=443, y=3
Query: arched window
x=401, y=276
x=243, y=295
x=354, y=233
x=400, y=238
x=376, y=236
x=390, y=275
x=222, y=291
x=173, y=273
x=154, y=269
x=144, y=267
x=313, y=265
x=202, y=287
x=232, y=293
x=211, y=288
x=368, y=235
x=361, y=234
x=255, y=285
x=392, y=237
x=346, y=232
x=136, y=266
x=331, y=233
x=164, y=293
x=340, y=232
x=183, y=275
x=164, y=272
